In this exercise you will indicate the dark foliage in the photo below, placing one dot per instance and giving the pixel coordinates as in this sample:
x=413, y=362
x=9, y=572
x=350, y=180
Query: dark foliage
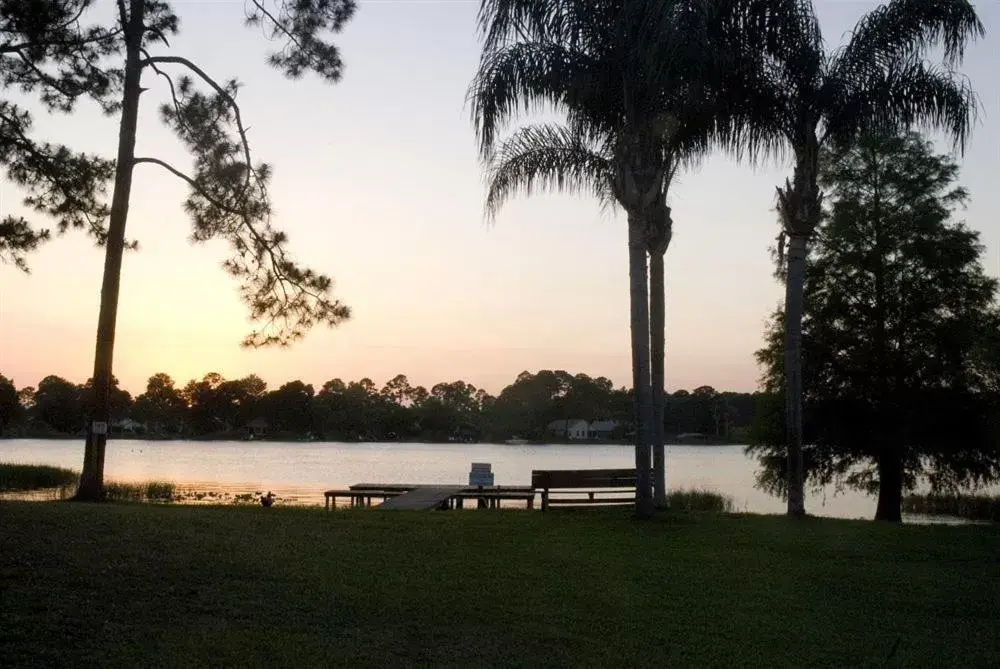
x=49, y=54
x=899, y=335
x=358, y=410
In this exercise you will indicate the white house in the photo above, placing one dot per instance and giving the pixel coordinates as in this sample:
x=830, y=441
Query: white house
x=573, y=428
x=127, y=426
x=602, y=429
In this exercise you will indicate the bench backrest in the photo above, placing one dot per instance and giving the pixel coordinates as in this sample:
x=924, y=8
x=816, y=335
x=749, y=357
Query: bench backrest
x=583, y=478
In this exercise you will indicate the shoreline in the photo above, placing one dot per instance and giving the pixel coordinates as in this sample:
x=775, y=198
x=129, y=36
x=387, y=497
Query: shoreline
x=266, y=440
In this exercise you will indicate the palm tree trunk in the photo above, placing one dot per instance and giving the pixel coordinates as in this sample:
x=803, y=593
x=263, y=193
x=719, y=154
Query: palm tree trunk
x=639, y=313
x=91, y=486
x=657, y=327
x=794, y=301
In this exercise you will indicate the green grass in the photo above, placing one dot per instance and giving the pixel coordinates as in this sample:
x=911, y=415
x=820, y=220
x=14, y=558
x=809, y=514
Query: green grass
x=21, y=478
x=972, y=507
x=177, y=586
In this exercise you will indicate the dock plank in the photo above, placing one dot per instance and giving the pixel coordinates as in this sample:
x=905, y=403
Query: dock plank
x=424, y=497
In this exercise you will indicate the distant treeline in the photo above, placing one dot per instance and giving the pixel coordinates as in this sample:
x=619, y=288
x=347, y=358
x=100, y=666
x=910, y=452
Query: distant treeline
x=546, y=406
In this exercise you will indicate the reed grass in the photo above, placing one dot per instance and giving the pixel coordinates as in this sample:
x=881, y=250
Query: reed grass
x=970, y=507
x=699, y=500
x=23, y=478
x=146, y=491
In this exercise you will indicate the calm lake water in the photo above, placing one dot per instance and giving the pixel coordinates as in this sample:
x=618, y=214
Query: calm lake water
x=300, y=472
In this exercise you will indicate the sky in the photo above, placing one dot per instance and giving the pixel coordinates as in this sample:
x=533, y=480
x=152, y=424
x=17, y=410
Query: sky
x=378, y=184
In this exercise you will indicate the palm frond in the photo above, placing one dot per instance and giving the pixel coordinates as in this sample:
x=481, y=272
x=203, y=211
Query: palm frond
x=903, y=28
x=523, y=76
x=790, y=38
x=503, y=22
x=754, y=111
x=663, y=45
x=545, y=157
x=906, y=93
x=605, y=193
x=771, y=26
x=776, y=62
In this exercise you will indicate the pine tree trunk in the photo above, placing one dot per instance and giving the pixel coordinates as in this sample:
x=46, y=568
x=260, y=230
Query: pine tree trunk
x=639, y=308
x=890, y=465
x=92, y=477
x=890, y=484
x=794, y=301
x=657, y=327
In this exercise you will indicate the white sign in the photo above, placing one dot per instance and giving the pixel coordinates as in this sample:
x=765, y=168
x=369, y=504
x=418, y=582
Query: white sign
x=98, y=428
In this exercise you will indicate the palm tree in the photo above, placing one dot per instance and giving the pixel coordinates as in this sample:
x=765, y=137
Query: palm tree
x=631, y=79
x=798, y=94
x=658, y=243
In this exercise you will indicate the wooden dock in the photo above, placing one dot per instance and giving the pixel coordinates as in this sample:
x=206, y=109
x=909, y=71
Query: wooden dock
x=430, y=496
x=424, y=497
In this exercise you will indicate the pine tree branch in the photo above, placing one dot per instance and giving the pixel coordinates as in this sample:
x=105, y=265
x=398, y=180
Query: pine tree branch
x=13, y=130
x=44, y=77
x=170, y=83
x=190, y=181
x=74, y=18
x=12, y=48
x=222, y=92
x=277, y=24
x=276, y=262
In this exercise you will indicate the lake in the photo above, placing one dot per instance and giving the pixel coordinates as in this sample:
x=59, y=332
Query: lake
x=299, y=472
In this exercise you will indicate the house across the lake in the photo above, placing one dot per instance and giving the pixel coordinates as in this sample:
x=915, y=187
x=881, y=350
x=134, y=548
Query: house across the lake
x=577, y=429
x=603, y=429
x=574, y=428
x=127, y=426
x=256, y=428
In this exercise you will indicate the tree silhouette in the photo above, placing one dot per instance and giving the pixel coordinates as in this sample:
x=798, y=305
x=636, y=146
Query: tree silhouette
x=637, y=84
x=10, y=404
x=46, y=52
x=228, y=197
x=799, y=95
x=162, y=406
x=899, y=336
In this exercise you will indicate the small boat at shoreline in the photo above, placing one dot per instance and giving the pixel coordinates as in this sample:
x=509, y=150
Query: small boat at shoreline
x=516, y=441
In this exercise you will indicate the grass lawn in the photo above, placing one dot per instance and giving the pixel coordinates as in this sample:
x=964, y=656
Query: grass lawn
x=144, y=585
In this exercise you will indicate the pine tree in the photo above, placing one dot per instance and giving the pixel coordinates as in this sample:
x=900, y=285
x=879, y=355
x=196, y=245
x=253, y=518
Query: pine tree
x=899, y=336
x=228, y=196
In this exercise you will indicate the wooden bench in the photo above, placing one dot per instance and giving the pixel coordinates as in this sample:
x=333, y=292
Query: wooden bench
x=602, y=487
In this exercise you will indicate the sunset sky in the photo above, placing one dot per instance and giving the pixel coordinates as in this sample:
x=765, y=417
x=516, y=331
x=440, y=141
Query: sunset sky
x=377, y=182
